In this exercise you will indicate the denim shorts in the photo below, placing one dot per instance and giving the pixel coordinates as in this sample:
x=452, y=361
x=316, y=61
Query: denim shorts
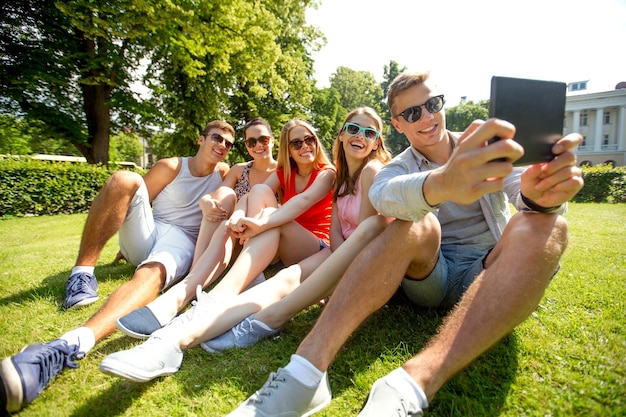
x=457, y=267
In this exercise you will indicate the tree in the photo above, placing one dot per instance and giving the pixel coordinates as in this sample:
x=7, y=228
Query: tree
x=327, y=113
x=69, y=64
x=22, y=137
x=204, y=60
x=396, y=142
x=126, y=146
x=357, y=88
x=233, y=60
x=459, y=117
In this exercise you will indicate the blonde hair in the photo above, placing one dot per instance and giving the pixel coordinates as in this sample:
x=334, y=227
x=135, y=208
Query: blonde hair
x=285, y=162
x=403, y=82
x=345, y=183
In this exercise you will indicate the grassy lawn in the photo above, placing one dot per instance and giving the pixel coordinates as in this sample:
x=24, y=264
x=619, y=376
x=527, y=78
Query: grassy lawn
x=567, y=359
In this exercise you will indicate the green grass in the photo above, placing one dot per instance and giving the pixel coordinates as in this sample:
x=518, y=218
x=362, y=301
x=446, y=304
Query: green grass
x=567, y=359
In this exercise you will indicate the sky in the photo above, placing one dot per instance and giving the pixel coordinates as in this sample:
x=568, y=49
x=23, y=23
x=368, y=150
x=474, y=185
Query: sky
x=465, y=42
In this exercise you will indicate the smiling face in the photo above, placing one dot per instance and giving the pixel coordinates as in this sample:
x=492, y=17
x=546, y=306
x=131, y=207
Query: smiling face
x=209, y=143
x=299, y=136
x=259, y=150
x=357, y=147
x=427, y=133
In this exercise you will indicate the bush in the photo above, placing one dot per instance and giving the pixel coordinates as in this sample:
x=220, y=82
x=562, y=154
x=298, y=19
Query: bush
x=29, y=187
x=603, y=183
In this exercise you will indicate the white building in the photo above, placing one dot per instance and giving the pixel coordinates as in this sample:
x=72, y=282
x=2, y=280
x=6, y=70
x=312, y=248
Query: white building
x=600, y=118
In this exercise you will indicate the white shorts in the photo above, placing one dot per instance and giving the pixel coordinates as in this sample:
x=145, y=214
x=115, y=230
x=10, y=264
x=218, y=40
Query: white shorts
x=144, y=239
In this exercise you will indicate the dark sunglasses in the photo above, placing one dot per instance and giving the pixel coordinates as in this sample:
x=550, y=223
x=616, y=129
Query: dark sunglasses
x=219, y=139
x=368, y=133
x=263, y=140
x=413, y=114
x=296, y=144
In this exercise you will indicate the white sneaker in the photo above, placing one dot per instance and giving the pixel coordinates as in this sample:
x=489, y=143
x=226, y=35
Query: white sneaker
x=199, y=308
x=153, y=358
x=385, y=401
x=282, y=395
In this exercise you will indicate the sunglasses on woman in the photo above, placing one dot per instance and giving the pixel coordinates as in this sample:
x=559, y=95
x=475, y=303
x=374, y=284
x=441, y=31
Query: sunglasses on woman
x=219, y=139
x=296, y=144
x=368, y=133
x=263, y=140
x=413, y=114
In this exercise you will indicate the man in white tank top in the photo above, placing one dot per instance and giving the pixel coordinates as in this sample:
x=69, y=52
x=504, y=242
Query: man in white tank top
x=158, y=219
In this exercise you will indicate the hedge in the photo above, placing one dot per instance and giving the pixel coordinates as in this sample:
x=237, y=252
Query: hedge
x=603, y=183
x=31, y=188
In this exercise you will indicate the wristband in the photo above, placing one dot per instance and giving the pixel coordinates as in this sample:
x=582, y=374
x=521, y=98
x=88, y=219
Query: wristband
x=535, y=207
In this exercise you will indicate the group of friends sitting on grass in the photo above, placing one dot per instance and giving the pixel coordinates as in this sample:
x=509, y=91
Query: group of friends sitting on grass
x=348, y=231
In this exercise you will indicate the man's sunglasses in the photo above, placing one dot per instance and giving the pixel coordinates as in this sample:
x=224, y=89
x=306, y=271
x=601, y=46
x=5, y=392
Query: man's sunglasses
x=263, y=140
x=219, y=139
x=296, y=144
x=368, y=133
x=413, y=114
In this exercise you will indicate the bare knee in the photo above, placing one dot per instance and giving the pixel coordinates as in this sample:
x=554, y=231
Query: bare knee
x=226, y=197
x=422, y=242
x=151, y=276
x=423, y=234
x=547, y=231
x=126, y=182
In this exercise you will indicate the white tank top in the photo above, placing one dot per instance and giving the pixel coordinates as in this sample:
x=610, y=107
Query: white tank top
x=177, y=203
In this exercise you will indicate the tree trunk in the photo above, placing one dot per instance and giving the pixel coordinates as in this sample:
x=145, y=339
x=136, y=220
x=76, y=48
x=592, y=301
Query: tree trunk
x=97, y=113
x=96, y=96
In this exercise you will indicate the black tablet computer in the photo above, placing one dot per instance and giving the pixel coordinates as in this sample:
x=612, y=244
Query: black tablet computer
x=536, y=108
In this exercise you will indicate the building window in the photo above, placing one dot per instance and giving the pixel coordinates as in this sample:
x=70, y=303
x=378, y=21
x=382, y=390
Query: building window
x=607, y=145
x=581, y=85
x=583, y=118
x=607, y=117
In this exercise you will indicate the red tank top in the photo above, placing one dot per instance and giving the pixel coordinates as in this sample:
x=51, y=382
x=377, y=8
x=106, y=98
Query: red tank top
x=317, y=218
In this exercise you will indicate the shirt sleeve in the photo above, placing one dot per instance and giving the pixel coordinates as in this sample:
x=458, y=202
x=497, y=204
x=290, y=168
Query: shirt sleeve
x=397, y=191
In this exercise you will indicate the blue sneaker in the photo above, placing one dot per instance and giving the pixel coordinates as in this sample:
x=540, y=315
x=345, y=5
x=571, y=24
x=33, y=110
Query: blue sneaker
x=138, y=324
x=80, y=290
x=25, y=375
x=245, y=334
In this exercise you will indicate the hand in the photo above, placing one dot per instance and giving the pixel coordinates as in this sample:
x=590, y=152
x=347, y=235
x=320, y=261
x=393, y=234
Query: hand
x=471, y=172
x=553, y=183
x=247, y=227
x=212, y=210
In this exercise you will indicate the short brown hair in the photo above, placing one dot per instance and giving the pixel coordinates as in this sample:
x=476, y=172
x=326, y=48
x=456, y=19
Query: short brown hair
x=218, y=124
x=403, y=82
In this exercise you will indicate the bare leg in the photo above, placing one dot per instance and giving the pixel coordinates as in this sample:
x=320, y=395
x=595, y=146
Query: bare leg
x=235, y=309
x=369, y=282
x=324, y=279
x=505, y=294
x=208, y=267
x=141, y=289
x=258, y=252
x=227, y=199
x=106, y=215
